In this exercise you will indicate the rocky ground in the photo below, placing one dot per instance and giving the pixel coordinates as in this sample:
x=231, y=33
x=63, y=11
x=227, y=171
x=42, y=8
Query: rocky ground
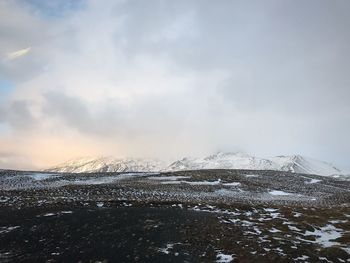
x=189, y=216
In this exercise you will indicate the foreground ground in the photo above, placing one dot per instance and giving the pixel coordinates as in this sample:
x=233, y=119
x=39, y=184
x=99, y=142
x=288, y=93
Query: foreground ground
x=194, y=216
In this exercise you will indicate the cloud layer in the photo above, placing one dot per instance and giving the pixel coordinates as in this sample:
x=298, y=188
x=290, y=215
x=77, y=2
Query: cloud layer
x=166, y=79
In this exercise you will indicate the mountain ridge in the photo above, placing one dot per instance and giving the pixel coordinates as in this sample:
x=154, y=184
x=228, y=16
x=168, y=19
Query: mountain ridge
x=219, y=160
x=108, y=164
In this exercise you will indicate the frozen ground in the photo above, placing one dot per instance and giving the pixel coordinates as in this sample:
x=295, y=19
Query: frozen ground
x=215, y=186
x=189, y=216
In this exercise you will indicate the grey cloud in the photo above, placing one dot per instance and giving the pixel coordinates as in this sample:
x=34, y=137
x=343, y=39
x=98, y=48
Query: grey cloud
x=78, y=114
x=281, y=55
x=111, y=117
x=18, y=114
x=285, y=87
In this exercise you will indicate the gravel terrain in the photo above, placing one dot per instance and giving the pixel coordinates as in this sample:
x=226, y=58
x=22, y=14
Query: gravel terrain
x=187, y=216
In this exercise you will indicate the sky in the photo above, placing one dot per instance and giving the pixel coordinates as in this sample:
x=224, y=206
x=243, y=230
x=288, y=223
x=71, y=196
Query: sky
x=167, y=79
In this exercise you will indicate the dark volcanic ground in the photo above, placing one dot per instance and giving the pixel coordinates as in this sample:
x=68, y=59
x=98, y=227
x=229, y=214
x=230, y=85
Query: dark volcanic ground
x=193, y=216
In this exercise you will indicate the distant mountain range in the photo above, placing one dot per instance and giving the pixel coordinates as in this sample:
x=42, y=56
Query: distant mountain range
x=108, y=164
x=220, y=160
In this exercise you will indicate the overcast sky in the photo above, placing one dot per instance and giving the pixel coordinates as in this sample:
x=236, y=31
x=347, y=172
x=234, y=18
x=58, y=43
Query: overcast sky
x=168, y=79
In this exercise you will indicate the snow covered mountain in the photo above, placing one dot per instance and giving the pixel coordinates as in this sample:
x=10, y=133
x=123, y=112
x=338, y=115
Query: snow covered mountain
x=220, y=160
x=300, y=164
x=108, y=164
x=294, y=163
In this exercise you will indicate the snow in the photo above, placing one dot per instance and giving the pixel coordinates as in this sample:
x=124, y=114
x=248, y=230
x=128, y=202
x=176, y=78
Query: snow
x=166, y=250
x=274, y=230
x=174, y=180
x=325, y=259
x=303, y=257
x=7, y=229
x=226, y=192
x=55, y=214
x=168, y=178
x=270, y=210
x=293, y=228
x=325, y=235
x=48, y=214
x=232, y=184
x=296, y=214
x=105, y=179
x=252, y=175
x=40, y=176
x=96, y=181
x=313, y=181
x=202, y=182
x=171, y=182
x=277, y=192
x=109, y=164
x=346, y=249
x=302, y=164
x=223, y=258
x=220, y=160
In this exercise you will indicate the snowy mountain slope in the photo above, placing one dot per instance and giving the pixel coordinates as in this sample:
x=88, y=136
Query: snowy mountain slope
x=300, y=164
x=220, y=160
x=294, y=163
x=108, y=164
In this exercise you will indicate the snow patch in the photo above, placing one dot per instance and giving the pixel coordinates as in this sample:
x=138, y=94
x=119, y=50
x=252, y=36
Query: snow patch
x=313, y=181
x=202, y=182
x=105, y=179
x=325, y=235
x=223, y=258
x=168, y=178
x=278, y=192
x=166, y=250
x=232, y=184
x=274, y=230
x=7, y=229
x=303, y=258
x=40, y=176
x=48, y=214
x=171, y=182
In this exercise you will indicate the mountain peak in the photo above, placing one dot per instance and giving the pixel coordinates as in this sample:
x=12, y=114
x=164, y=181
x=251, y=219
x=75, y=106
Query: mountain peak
x=219, y=160
x=109, y=164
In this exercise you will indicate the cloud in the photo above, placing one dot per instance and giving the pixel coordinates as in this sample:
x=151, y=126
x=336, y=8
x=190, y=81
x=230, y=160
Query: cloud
x=19, y=115
x=19, y=53
x=13, y=161
x=170, y=79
